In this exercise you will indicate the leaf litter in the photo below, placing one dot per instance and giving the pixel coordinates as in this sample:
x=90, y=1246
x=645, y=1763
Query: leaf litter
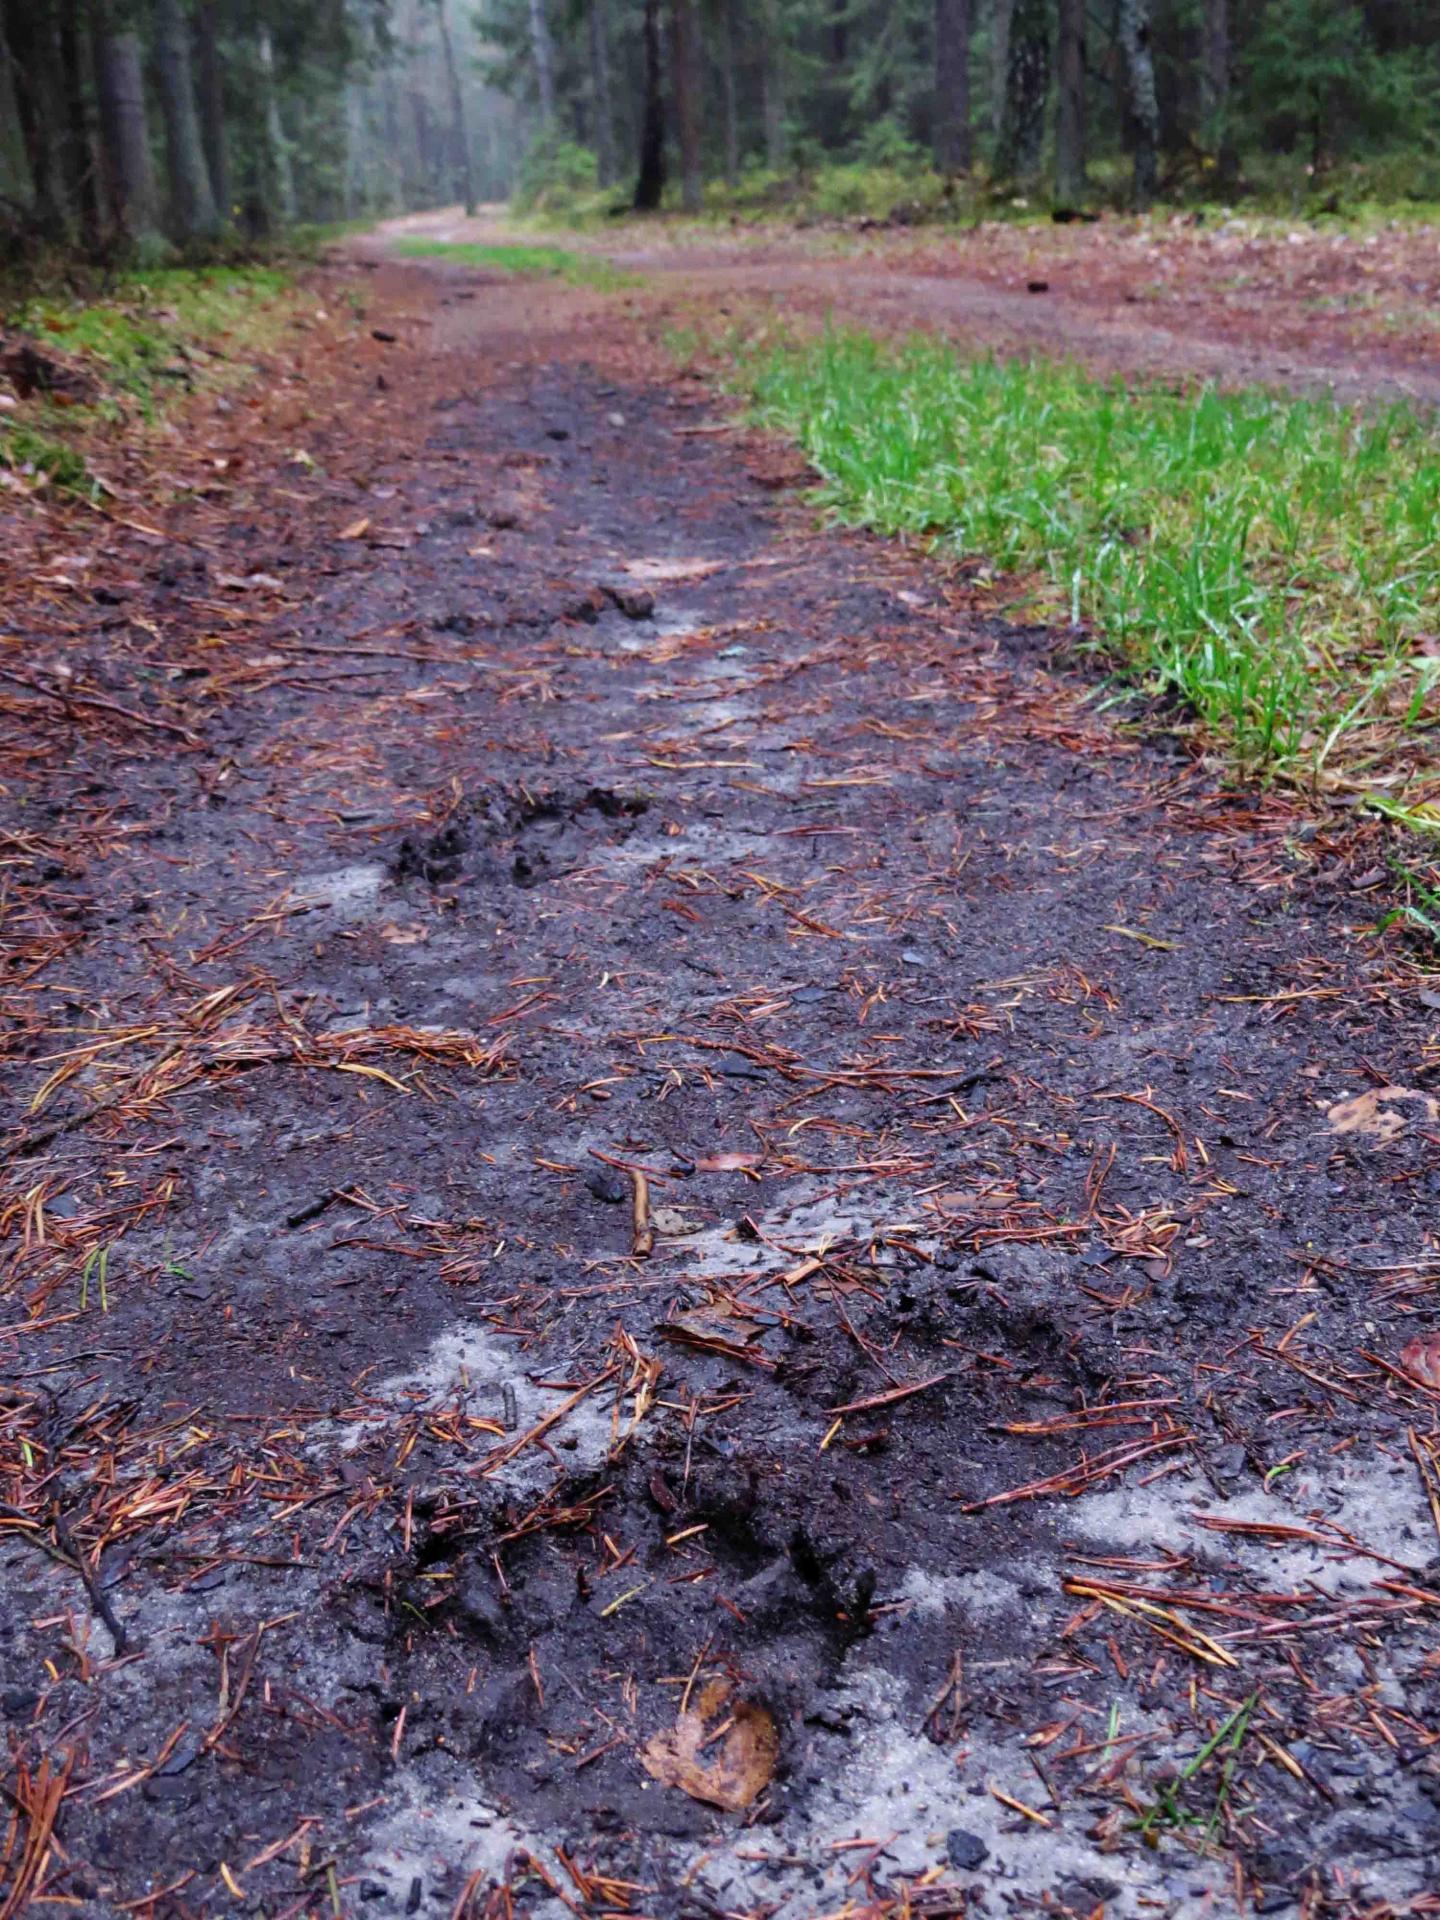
x=1037, y=1361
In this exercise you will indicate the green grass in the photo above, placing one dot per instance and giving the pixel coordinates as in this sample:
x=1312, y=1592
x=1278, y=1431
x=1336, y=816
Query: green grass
x=145, y=342
x=137, y=337
x=41, y=457
x=577, y=269
x=906, y=190
x=1273, y=562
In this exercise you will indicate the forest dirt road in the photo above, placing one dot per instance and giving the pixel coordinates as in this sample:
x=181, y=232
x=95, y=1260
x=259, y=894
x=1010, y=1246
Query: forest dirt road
x=1354, y=313
x=682, y=1239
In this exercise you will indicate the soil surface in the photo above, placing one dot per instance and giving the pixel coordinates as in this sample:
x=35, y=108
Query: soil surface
x=1236, y=300
x=683, y=1239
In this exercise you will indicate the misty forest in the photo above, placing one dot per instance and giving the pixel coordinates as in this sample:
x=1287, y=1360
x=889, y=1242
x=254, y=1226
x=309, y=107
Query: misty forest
x=719, y=959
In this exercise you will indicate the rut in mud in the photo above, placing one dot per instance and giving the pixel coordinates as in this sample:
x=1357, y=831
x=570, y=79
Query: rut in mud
x=1029, y=1378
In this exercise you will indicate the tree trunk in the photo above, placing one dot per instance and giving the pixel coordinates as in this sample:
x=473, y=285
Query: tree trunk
x=32, y=54
x=1070, y=183
x=1027, y=86
x=459, y=131
x=279, y=171
x=687, y=102
x=952, y=87
x=78, y=140
x=1134, y=35
x=1215, y=86
x=729, y=92
x=130, y=178
x=543, y=54
x=14, y=166
x=650, y=185
x=210, y=97
x=772, y=83
x=1001, y=12
x=604, y=105
x=192, y=204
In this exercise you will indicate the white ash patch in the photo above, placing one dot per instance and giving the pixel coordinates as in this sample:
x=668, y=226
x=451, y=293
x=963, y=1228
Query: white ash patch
x=1375, y=1498
x=468, y=1368
x=350, y=893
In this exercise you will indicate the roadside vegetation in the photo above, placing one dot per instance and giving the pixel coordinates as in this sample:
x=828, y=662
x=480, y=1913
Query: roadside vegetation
x=576, y=269
x=77, y=363
x=1269, y=561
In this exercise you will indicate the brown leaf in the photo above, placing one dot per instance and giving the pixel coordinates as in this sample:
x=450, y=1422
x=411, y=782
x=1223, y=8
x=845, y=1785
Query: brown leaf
x=1420, y=1358
x=722, y=1750
x=1382, y=1114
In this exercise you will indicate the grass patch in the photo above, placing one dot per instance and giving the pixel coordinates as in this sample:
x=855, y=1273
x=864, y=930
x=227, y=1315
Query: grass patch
x=576, y=269
x=1271, y=561
x=40, y=457
x=139, y=337
x=144, y=343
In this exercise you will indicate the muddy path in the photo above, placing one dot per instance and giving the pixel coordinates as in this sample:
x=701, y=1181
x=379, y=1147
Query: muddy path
x=1238, y=302
x=1013, y=1369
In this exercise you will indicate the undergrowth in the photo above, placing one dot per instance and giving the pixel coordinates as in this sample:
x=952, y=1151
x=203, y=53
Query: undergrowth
x=1270, y=561
x=577, y=269
x=143, y=342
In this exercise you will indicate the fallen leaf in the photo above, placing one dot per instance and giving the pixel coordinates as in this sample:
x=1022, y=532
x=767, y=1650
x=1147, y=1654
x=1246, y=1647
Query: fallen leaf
x=1382, y=1114
x=356, y=530
x=739, y=1741
x=1420, y=1358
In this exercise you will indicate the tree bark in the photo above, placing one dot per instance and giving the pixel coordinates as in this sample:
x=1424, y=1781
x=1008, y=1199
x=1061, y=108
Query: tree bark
x=279, y=172
x=459, y=131
x=1027, y=86
x=82, y=185
x=1215, y=86
x=772, y=84
x=210, y=99
x=1133, y=17
x=129, y=175
x=542, y=52
x=604, y=105
x=952, y=87
x=192, y=204
x=32, y=54
x=1070, y=182
x=687, y=102
x=650, y=184
x=729, y=92
x=1000, y=15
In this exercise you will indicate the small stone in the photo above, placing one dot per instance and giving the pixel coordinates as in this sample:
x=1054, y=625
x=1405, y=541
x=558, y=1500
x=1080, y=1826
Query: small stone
x=965, y=1850
x=636, y=603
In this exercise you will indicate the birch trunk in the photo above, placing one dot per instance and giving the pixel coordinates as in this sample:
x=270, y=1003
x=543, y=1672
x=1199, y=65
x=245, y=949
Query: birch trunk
x=1133, y=19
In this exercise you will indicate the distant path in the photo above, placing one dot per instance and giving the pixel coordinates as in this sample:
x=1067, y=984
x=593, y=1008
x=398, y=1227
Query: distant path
x=1357, y=316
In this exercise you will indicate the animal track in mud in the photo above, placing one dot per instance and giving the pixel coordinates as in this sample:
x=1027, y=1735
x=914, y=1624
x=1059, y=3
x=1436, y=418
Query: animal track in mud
x=547, y=833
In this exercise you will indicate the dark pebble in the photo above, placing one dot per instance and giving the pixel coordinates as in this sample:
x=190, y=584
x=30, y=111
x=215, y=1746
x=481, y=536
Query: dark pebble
x=965, y=1850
